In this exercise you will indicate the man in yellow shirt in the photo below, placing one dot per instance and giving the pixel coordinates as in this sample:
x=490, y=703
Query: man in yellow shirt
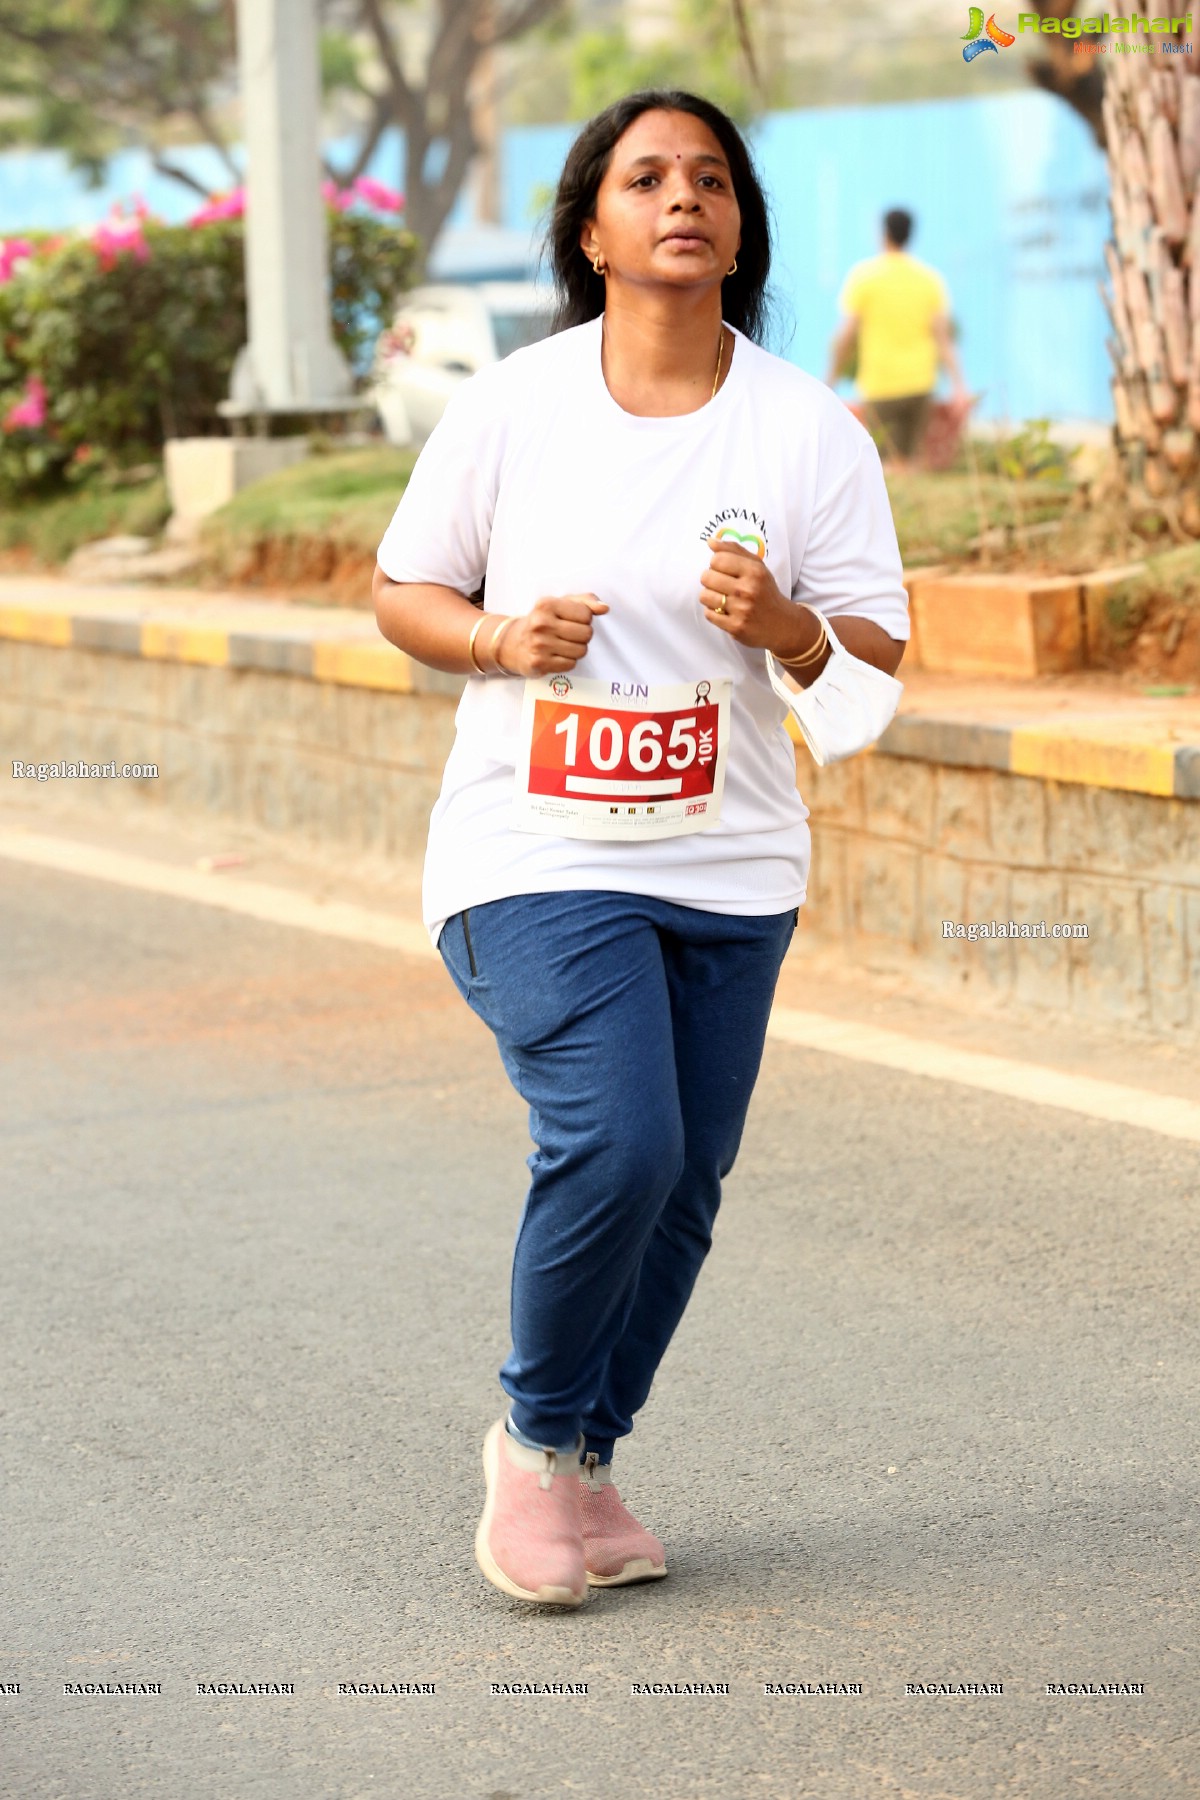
x=898, y=309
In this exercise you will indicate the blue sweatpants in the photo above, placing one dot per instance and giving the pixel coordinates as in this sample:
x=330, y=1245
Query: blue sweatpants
x=634, y=1029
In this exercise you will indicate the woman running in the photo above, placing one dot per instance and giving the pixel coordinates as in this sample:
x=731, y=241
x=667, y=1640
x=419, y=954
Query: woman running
x=618, y=853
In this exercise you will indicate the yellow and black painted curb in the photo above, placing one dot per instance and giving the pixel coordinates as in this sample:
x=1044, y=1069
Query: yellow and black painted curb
x=1091, y=758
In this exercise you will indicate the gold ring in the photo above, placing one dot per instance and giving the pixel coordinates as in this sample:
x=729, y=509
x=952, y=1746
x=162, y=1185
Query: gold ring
x=723, y=605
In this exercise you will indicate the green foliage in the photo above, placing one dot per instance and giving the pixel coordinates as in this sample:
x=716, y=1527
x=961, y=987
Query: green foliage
x=580, y=72
x=49, y=530
x=347, y=496
x=87, y=76
x=142, y=350
x=939, y=517
x=702, y=54
x=1030, y=454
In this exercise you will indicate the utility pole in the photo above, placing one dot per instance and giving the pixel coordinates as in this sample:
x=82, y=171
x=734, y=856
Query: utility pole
x=291, y=363
x=485, y=114
x=290, y=371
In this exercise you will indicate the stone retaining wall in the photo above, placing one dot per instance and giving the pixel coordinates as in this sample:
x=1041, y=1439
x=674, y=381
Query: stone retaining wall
x=320, y=763
x=902, y=845
x=337, y=757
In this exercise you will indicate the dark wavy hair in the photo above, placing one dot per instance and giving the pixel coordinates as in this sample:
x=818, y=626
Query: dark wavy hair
x=580, y=291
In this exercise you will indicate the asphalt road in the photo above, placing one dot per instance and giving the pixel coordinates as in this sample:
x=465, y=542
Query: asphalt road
x=930, y=1418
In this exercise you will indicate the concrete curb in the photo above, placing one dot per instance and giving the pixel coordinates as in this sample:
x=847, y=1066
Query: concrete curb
x=345, y=650
x=1092, y=761
x=351, y=654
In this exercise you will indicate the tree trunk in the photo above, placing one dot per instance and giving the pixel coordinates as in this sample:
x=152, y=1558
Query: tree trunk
x=1152, y=127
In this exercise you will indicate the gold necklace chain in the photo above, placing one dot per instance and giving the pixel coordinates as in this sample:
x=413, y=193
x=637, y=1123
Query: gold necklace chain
x=720, y=349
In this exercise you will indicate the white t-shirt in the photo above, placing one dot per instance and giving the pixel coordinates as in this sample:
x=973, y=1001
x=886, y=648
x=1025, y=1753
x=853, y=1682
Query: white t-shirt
x=535, y=476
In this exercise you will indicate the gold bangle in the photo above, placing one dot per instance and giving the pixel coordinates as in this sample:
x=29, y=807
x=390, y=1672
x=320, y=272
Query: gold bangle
x=479, y=669
x=495, y=639
x=810, y=656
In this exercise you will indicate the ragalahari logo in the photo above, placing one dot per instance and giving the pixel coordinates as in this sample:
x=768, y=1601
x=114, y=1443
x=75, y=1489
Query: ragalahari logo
x=980, y=37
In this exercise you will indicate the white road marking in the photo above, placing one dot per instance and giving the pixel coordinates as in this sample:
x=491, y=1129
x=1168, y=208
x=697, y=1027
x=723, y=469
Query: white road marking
x=1032, y=1082
x=1108, y=1100
x=256, y=899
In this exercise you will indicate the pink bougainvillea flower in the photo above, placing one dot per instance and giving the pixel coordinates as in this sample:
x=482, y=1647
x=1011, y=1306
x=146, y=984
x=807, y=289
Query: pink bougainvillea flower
x=222, y=206
x=333, y=195
x=13, y=251
x=29, y=413
x=376, y=194
x=117, y=235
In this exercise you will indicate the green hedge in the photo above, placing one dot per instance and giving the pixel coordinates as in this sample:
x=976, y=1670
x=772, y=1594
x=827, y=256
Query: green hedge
x=109, y=347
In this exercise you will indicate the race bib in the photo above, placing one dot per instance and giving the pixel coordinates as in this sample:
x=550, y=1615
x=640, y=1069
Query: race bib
x=603, y=759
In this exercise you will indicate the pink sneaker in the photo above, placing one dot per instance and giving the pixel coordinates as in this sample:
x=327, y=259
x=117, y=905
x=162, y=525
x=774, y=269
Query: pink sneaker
x=618, y=1550
x=530, y=1542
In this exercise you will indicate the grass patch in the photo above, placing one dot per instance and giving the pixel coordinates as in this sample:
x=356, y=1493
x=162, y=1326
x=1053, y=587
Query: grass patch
x=346, y=497
x=49, y=531
x=349, y=496
x=940, y=518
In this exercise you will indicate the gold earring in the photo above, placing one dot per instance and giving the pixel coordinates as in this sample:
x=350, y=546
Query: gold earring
x=596, y=264
x=732, y=271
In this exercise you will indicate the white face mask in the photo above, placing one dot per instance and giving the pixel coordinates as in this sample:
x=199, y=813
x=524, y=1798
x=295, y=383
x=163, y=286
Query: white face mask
x=847, y=707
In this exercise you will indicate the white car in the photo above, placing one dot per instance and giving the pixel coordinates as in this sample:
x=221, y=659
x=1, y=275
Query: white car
x=441, y=335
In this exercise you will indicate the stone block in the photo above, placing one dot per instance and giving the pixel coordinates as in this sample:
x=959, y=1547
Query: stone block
x=129, y=686
x=411, y=732
x=825, y=912
x=1107, y=968
x=356, y=709
x=410, y=800
x=1008, y=625
x=962, y=743
x=215, y=776
x=200, y=697
x=1187, y=771
x=915, y=580
x=898, y=799
x=278, y=652
x=881, y=882
x=86, y=677
x=1017, y=820
x=1191, y=926
x=270, y=708
x=204, y=473
x=834, y=794
x=437, y=681
x=121, y=637
x=1041, y=966
x=42, y=674
x=961, y=817
x=1106, y=830
x=990, y=960
x=306, y=714
x=1104, y=629
x=942, y=896
x=373, y=805
x=1170, y=977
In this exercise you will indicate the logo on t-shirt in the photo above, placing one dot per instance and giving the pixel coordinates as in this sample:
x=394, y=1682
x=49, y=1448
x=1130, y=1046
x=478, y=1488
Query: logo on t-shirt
x=738, y=525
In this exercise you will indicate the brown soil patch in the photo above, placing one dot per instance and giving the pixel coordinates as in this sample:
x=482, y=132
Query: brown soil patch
x=1165, y=645
x=304, y=568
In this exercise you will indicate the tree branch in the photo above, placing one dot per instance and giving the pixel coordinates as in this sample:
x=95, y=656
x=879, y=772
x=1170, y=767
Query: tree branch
x=181, y=175
x=372, y=16
x=524, y=18
x=381, y=118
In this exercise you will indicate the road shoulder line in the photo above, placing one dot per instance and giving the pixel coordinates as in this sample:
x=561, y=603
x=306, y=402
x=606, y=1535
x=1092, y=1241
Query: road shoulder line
x=1108, y=1101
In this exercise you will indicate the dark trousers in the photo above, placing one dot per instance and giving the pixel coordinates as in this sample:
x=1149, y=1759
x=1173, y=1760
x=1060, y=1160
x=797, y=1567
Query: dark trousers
x=634, y=1029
